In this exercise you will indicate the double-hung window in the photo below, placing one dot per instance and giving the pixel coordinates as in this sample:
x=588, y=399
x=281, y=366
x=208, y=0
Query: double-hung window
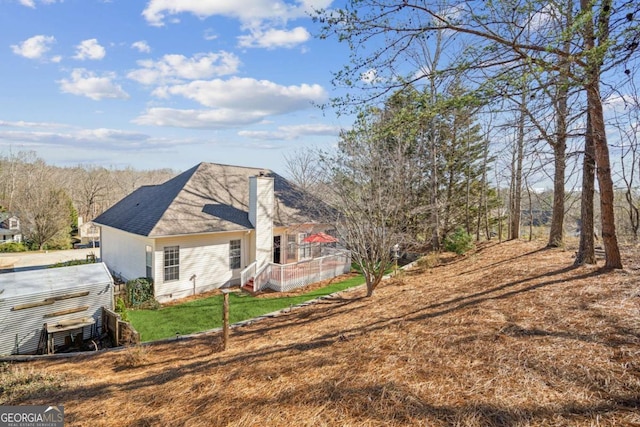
x=235, y=253
x=305, y=248
x=291, y=247
x=171, y=263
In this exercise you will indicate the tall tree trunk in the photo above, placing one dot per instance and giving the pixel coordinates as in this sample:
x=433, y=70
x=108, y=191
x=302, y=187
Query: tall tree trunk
x=501, y=208
x=516, y=197
x=596, y=114
x=586, y=251
x=530, y=210
x=435, y=209
x=467, y=198
x=434, y=136
x=605, y=182
x=634, y=213
x=556, y=234
x=483, y=211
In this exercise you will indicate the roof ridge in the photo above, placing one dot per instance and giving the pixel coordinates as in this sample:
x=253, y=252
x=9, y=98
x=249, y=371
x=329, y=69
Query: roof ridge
x=235, y=166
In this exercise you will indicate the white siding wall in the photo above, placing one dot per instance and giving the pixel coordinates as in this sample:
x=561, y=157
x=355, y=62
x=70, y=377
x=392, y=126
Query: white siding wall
x=206, y=257
x=124, y=253
x=261, y=206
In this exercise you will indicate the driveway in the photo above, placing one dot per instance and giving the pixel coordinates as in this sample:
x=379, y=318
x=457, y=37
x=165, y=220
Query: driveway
x=20, y=261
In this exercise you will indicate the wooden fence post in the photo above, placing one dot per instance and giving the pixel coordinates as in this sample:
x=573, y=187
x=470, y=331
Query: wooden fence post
x=225, y=318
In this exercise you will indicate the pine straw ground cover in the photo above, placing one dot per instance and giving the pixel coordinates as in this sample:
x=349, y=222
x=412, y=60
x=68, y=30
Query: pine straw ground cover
x=510, y=335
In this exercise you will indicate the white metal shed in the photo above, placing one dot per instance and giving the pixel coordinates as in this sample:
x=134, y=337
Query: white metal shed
x=67, y=299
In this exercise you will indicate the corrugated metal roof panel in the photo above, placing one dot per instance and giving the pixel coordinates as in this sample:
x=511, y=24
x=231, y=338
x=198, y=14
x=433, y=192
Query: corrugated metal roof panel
x=33, y=298
x=45, y=280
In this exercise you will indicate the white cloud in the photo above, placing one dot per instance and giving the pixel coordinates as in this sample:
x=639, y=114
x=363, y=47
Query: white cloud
x=34, y=47
x=103, y=134
x=292, y=132
x=247, y=11
x=233, y=102
x=141, y=46
x=86, y=83
x=248, y=94
x=542, y=18
x=47, y=136
x=176, y=68
x=32, y=3
x=104, y=138
x=369, y=76
x=89, y=49
x=199, y=119
x=23, y=124
x=614, y=101
x=263, y=19
x=272, y=38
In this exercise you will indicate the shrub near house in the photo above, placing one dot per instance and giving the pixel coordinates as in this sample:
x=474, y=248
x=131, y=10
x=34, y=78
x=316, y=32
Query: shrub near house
x=13, y=247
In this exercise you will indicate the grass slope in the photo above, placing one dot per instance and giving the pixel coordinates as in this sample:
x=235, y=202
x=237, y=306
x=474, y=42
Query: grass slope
x=511, y=335
x=206, y=313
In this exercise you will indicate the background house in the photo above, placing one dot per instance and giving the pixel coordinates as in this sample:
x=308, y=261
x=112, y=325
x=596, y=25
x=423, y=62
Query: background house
x=9, y=228
x=88, y=232
x=197, y=231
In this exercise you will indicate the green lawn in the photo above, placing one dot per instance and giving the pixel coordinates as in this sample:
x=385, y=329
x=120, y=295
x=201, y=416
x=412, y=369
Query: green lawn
x=204, y=314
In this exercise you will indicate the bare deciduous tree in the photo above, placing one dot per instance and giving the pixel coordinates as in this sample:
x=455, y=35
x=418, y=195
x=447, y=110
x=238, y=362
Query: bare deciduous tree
x=44, y=209
x=368, y=181
x=304, y=169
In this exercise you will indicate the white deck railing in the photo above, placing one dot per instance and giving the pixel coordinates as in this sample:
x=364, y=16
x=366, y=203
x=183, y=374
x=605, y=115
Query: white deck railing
x=285, y=277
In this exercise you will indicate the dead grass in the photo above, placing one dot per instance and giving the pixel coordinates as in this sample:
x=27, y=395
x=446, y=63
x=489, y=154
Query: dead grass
x=132, y=357
x=509, y=336
x=18, y=381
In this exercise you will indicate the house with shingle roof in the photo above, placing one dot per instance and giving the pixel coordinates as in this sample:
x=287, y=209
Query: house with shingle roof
x=199, y=230
x=9, y=228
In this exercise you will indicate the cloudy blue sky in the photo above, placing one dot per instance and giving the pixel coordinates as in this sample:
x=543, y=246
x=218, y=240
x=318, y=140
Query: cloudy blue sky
x=165, y=83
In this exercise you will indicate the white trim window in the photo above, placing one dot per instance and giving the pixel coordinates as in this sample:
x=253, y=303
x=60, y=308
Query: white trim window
x=304, y=251
x=291, y=247
x=235, y=254
x=171, y=263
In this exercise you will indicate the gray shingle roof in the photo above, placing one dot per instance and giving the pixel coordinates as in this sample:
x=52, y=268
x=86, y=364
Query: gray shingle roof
x=206, y=198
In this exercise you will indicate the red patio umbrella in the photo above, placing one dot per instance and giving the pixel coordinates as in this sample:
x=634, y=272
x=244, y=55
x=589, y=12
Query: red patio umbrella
x=319, y=238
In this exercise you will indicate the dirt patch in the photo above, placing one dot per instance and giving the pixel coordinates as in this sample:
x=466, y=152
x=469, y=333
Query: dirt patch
x=511, y=334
